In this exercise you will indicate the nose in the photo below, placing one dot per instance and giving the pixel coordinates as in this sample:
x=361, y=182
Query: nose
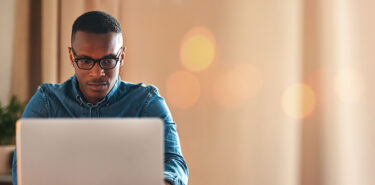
x=97, y=71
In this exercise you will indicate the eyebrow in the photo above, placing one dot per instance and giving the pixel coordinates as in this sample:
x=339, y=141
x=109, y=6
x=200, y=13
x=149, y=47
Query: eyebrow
x=106, y=56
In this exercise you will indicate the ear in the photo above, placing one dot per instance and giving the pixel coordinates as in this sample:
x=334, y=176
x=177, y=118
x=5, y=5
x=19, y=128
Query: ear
x=123, y=54
x=70, y=55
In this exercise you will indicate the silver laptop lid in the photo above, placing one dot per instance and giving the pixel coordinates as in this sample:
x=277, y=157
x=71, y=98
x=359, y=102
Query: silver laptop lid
x=90, y=151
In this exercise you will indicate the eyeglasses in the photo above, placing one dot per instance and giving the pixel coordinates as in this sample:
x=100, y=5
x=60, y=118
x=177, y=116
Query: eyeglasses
x=87, y=63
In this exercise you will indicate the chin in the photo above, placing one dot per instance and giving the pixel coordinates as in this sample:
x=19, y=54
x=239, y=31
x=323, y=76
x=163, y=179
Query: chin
x=98, y=95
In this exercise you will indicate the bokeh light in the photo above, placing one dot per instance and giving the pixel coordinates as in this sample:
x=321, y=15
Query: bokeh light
x=298, y=101
x=349, y=85
x=197, y=49
x=183, y=89
x=237, y=85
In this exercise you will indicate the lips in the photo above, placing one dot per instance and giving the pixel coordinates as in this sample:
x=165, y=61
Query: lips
x=97, y=86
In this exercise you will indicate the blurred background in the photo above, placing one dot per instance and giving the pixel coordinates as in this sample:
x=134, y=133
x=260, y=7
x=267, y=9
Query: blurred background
x=264, y=92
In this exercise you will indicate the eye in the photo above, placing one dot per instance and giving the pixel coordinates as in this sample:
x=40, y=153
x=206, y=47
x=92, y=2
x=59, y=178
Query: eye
x=85, y=61
x=108, y=62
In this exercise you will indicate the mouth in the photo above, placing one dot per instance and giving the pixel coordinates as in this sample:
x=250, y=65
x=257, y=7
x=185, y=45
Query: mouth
x=97, y=86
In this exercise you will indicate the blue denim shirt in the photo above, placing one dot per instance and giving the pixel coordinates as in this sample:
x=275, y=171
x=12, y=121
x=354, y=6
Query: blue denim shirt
x=124, y=100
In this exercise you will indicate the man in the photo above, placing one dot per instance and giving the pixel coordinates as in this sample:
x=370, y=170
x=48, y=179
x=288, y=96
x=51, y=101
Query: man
x=96, y=91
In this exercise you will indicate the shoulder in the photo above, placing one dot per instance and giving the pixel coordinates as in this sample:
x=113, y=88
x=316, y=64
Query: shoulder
x=46, y=95
x=59, y=88
x=138, y=88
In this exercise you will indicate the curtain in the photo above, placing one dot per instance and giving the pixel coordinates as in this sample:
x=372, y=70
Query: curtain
x=263, y=92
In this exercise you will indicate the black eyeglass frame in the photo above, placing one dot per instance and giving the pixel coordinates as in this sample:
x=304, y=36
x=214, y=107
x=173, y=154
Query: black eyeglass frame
x=76, y=59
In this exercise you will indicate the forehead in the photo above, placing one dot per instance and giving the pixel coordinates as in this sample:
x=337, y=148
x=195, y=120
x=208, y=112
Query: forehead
x=94, y=44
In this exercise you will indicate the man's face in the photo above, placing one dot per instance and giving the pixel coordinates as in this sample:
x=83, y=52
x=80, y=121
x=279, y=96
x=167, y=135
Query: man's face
x=96, y=83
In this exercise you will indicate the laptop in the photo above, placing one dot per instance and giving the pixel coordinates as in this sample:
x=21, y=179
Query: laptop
x=90, y=151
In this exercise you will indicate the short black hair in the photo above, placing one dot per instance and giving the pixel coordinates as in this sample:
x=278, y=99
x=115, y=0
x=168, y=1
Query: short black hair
x=96, y=22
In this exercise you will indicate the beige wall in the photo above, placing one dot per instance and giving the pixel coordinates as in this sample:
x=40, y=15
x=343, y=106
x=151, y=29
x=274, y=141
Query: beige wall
x=6, y=47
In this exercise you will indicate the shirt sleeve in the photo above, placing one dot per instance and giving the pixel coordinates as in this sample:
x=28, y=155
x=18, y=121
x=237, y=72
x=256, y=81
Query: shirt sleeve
x=175, y=168
x=36, y=108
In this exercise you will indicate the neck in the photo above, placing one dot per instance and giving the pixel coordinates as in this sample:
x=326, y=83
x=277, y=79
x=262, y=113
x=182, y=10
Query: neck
x=93, y=100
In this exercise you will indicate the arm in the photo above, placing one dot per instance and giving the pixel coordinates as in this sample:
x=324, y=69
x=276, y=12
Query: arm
x=36, y=108
x=175, y=168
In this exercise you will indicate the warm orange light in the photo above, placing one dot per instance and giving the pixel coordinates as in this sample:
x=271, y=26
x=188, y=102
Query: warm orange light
x=183, y=89
x=197, y=49
x=349, y=86
x=237, y=85
x=298, y=101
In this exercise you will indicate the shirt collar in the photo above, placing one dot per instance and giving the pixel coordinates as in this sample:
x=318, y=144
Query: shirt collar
x=80, y=98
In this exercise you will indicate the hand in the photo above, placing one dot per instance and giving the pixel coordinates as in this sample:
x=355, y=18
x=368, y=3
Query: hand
x=167, y=183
